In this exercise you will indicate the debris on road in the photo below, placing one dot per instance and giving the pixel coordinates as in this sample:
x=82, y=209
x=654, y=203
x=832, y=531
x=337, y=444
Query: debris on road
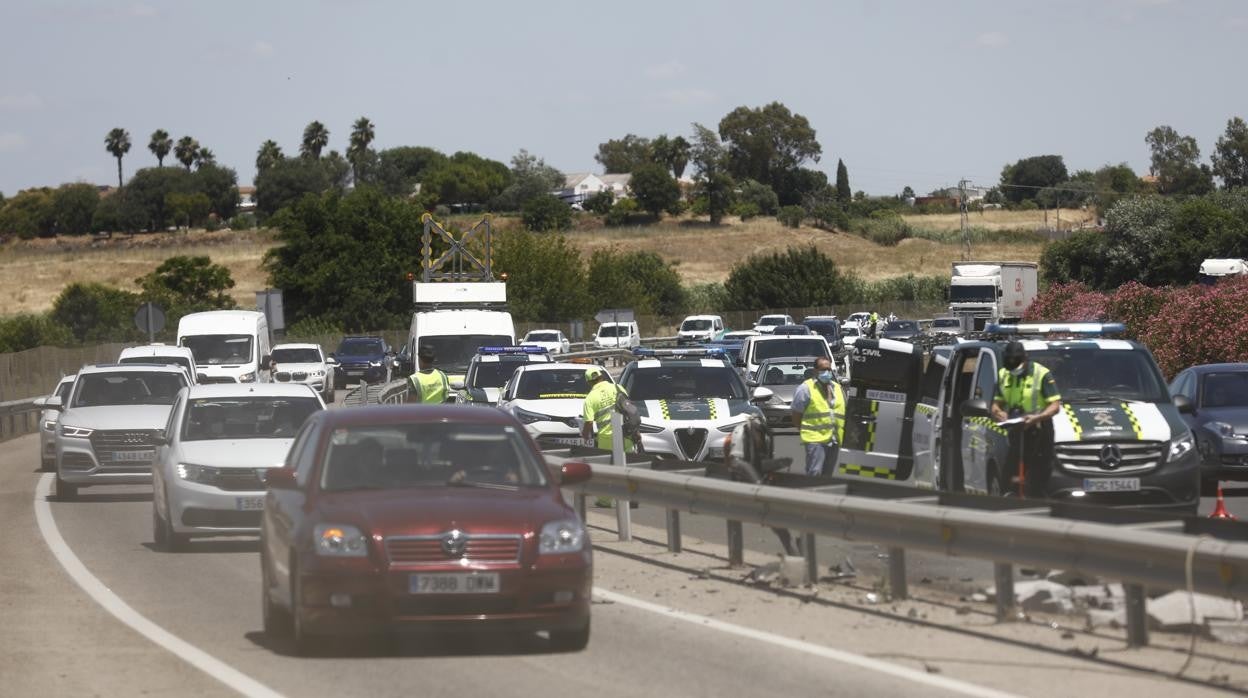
x=1173, y=611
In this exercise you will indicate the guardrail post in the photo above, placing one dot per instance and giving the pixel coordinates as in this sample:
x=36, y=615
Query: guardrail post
x=673, y=531
x=1003, y=576
x=897, y=573
x=623, y=507
x=812, y=558
x=736, y=544
x=1137, y=618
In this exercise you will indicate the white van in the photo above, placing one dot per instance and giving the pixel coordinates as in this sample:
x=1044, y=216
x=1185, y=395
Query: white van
x=230, y=346
x=613, y=335
x=161, y=354
x=456, y=319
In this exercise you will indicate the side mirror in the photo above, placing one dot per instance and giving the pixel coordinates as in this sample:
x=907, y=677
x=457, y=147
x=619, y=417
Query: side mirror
x=752, y=383
x=53, y=403
x=457, y=385
x=574, y=472
x=40, y=402
x=761, y=395
x=975, y=408
x=280, y=479
x=201, y=377
x=331, y=359
x=1184, y=405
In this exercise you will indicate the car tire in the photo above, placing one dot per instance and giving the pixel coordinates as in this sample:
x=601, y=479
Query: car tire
x=166, y=539
x=278, y=623
x=47, y=465
x=305, y=643
x=570, y=640
x=65, y=491
x=328, y=395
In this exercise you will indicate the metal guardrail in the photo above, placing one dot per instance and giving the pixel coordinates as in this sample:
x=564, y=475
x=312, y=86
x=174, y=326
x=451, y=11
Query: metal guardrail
x=17, y=418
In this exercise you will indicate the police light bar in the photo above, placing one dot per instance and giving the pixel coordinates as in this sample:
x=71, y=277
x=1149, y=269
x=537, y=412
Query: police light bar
x=1091, y=329
x=524, y=349
x=696, y=351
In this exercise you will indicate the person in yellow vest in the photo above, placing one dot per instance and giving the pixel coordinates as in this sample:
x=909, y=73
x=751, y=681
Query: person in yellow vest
x=817, y=412
x=430, y=385
x=599, y=404
x=1026, y=389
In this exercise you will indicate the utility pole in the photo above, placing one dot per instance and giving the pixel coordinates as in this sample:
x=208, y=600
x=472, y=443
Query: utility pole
x=966, y=235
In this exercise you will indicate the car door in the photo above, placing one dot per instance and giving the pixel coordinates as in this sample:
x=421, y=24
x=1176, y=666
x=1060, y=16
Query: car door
x=925, y=421
x=954, y=440
x=167, y=453
x=978, y=451
x=880, y=401
x=284, y=508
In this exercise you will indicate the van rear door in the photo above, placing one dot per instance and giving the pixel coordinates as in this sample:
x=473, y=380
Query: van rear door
x=925, y=430
x=885, y=378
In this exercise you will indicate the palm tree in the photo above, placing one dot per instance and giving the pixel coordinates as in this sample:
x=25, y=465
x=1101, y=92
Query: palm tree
x=185, y=151
x=118, y=143
x=315, y=138
x=362, y=135
x=270, y=154
x=204, y=156
x=160, y=145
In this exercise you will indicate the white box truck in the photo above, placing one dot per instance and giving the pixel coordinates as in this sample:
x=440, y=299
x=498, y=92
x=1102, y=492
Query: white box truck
x=457, y=318
x=984, y=292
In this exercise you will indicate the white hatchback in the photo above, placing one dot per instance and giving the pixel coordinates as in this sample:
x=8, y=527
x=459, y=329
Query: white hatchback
x=549, y=400
x=219, y=441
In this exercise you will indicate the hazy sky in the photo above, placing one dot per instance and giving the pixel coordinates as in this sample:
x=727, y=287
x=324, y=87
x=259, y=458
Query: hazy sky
x=907, y=92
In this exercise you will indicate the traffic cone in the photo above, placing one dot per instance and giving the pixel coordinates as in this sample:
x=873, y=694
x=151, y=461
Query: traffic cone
x=1219, y=511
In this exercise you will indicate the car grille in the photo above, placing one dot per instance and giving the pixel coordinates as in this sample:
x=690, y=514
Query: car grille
x=1098, y=456
x=1241, y=459
x=691, y=441
x=287, y=376
x=211, y=380
x=214, y=518
x=76, y=461
x=239, y=480
x=479, y=605
x=108, y=443
x=427, y=550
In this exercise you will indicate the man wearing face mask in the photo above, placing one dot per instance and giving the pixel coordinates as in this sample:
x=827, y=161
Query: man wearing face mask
x=817, y=412
x=1026, y=389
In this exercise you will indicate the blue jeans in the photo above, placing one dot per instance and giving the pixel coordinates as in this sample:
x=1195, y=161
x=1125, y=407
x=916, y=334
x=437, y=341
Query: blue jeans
x=821, y=456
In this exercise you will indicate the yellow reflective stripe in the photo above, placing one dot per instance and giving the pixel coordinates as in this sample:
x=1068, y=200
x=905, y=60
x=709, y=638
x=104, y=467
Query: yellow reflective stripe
x=667, y=413
x=1074, y=421
x=867, y=471
x=1135, y=423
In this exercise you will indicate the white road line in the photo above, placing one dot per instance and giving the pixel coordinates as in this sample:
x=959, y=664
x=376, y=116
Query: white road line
x=192, y=655
x=901, y=672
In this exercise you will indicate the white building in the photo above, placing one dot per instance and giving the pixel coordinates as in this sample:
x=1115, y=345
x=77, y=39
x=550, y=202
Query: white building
x=581, y=185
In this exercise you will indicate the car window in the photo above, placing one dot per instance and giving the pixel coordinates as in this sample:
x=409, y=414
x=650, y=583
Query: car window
x=129, y=388
x=1224, y=389
x=493, y=374
x=541, y=337
x=985, y=377
x=305, y=355
x=180, y=361
x=1085, y=372
x=785, y=373
x=174, y=413
x=455, y=351
x=685, y=382
x=551, y=384
x=218, y=349
x=795, y=346
x=695, y=325
x=303, y=452
x=63, y=390
x=1181, y=385
x=930, y=390
x=361, y=347
x=253, y=417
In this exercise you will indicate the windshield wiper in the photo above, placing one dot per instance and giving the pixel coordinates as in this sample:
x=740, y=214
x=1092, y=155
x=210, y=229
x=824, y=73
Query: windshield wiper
x=453, y=482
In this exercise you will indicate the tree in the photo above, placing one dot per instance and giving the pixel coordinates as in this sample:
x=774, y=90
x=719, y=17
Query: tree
x=117, y=142
x=149, y=191
x=1175, y=160
x=220, y=185
x=185, y=151
x=546, y=212
x=160, y=145
x=400, y=169
x=713, y=183
x=119, y=213
x=1023, y=180
x=638, y=280
x=204, y=157
x=1230, y=155
x=96, y=313
x=843, y=194
x=672, y=153
x=766, y=142
x=1112, y=182
x=654, y=188
x=28, y=331
x=290, y=179
x=531, y=178
x=799, y=277
x=185, y=284
x=29, y=214
x=73, y=208
x=760, y=195
x=362, y=134
x=269, y=154
x=620, y=156
x=315, y=138
x=189, y=209
x=906, y=193
x=600, y=203
x=546, y=280
x=465, y=179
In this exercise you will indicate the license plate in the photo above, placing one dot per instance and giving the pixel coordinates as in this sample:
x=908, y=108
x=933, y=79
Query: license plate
x=249, y=503
x=1111, y=484
x=454, y=583
x=134, y=456
x=567, y=440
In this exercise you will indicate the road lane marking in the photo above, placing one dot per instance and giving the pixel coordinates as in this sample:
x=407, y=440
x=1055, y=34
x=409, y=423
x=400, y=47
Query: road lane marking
x=895, y=670
x=123, y=612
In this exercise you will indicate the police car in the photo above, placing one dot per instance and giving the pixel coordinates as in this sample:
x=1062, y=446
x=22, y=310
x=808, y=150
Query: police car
x=549, y=399
x=690, y=400
x=489, y=370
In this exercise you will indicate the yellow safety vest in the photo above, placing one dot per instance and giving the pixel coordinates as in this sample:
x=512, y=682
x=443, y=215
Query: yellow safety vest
x=432, y=387
x=818, y=420
x=1023, y=392
x=599, y=403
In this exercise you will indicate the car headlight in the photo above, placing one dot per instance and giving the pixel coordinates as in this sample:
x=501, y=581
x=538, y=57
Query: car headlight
x=560, y=537
x=197, y=473
x=1223, y=429
x=247, y=377
x=317, y=374
x=729, y=427
x=76, y=432
x=650, y=428
x=527, y=417
x=375, y=364
x=49, y=425
x=337, y=540
x=1180, y=446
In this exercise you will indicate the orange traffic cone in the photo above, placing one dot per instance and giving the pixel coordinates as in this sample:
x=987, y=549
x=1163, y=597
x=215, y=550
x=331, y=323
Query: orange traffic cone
x=1219, y=511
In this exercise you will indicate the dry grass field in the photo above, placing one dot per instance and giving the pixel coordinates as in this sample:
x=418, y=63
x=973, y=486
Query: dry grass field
x=32, y=273
x=1004, y=220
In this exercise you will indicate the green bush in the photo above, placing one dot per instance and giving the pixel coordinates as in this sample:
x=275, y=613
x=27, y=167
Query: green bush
x=310, y=327
x=546, y=212
x=799, y=277
x=243, y=221
x=706, y=298
x=27, y=331
x=701, y=206
x=638, y=280
x=761, y=195
x=886, y=230
x=600, y=203
x=96, y=313
x=546, y=278
x=745, y=210
x=623, y=212
x=830, y=216
x=790, y=216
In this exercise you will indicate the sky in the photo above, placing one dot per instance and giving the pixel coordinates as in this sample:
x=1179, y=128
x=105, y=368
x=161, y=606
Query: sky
x=906, y=92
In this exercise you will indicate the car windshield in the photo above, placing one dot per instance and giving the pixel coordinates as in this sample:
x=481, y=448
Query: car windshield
x=305, y=355
x=1087, y=373
x=361, y=347
x=695, y=325
x=785, y=372
x=685, y=382
x=215, y=349
x=771, y=320
x=552, y=384
x=441, y=454
x=946, y=322
x=797, y=346
x=129, y=388
x=256, y=417
x=981, y=294
x=1224, y=389
x=541, y=337
x=902, y=326
x=452, y=352
x=181, y=361
x=493, y=374
x=849, y=331
x=827, y=328
x=613, y=331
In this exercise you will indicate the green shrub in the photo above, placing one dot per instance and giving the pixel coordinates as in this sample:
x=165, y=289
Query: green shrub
x=622, y=212
x=701, y=206
x=546, y=212
x=600, y=203
x=310, y=327
x=799, y=277
x=27, y=331
x=886, y=230
x=745, y=210
x=706, y=298
x=761, y=195
x=830, y=216
x=243, y=221
x=790, y=216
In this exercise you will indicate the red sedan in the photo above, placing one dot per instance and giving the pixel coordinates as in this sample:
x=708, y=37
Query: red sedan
x=422, y=518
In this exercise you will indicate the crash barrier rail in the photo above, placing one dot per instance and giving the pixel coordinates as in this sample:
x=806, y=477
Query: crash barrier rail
x=1141, y=549
x=17, y=418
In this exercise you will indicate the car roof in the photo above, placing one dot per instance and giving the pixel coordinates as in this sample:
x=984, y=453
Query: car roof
x=789, y=359
x=518, y=358
x=210, y=390
x=775, y=337
x=701, y=317
x=130, y=368
x=156, y=350
x=362, y=337
x=550, y=366
x=542, y=329
x=297, y=345
x=413, y=413
x=1215, y=368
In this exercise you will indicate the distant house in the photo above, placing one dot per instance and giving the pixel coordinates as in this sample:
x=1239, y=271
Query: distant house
x=246, y=199
x=581, y=185
x=973, y=194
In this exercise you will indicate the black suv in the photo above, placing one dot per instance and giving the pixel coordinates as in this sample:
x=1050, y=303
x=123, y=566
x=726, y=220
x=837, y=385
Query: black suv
x=366, y=359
